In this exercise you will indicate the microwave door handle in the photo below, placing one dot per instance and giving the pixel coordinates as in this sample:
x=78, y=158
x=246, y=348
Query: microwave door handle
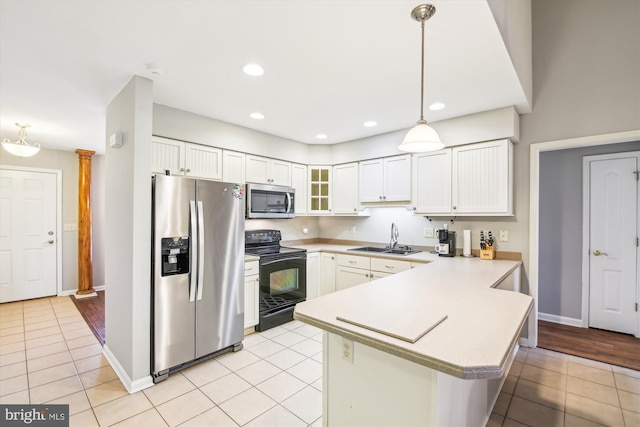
x=194, y=259
x=288, y=202
x=200, y=249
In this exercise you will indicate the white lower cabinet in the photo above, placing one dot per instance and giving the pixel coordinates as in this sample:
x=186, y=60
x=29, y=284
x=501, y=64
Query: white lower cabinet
x=313, y=275
x=327, y=273
x=353, y=270
x=251, y=293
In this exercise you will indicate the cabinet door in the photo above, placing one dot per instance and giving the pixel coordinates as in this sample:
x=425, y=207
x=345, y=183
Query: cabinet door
x=482, y=178
x=299, y=183
x=319, y=189
x=202, y=161
x=397, y=178
x=233, y=164
x=251, y=304
x=257, y=169
x=313, y=275
x=432, y=182
x=379, y=275
x=327, y=273
x=372, y=181
x=347, y=277
x=167, y=154
x=280, y=172
x=345, y=188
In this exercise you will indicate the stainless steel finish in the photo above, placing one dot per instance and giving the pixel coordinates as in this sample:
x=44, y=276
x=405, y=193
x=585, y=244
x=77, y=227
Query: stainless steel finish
x=288, y=191
x=394, y=236
x=406, y=250
x=202, y=312
x=423, y=12
x=598, y=253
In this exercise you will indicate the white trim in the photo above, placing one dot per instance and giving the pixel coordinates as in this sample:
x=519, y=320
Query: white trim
x=131, y=386
x=534, y=198
x=58, y=174
x=569, y=321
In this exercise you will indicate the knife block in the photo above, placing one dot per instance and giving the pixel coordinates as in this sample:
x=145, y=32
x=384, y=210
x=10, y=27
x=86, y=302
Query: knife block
x=488, y=253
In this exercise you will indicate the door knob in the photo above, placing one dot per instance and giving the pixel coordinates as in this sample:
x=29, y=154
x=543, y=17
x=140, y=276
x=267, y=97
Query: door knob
x=598, y=253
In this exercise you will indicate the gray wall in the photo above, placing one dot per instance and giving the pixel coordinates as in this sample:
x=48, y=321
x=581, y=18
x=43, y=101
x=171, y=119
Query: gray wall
x=560, y=242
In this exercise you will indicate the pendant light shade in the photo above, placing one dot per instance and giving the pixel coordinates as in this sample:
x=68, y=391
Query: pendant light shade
x=21, y=148
x=422, y=137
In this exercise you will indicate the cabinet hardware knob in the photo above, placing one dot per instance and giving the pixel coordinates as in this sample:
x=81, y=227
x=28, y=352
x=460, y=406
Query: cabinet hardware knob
x=188, y=170
x=454, y=207
x=50, y=242
x=389, y=266
x=414, y=208
x=181, y=169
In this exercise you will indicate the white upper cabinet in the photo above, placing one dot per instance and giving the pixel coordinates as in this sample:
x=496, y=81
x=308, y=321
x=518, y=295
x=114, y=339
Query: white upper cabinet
x=233, y=164
x=345, y=190
x=483, y=178
x=432, y=182
x=185, y=158
x=299, y=183
x=267, y=171
x=474, y=179
x=386, y=180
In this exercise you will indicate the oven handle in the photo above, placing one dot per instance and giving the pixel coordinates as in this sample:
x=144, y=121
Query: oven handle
x=281, y=260
x=282, y=310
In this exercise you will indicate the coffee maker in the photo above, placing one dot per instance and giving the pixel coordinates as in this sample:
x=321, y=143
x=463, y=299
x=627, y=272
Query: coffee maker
x=447, y=242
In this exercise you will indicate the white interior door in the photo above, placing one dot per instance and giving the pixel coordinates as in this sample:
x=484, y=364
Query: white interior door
x=613, y=219
x=28, y=234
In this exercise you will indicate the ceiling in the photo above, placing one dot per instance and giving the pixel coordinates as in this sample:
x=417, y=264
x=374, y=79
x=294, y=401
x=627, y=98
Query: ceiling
x=329, y=65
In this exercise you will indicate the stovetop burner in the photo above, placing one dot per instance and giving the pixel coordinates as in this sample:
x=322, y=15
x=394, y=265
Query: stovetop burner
x=266, y=242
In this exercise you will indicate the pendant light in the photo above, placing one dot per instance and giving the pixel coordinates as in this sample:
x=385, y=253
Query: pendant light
x=422, y=137
x=21, y=148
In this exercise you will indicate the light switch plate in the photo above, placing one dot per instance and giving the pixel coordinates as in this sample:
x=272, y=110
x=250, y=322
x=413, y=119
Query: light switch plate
x=429, y=232
x=504, y=236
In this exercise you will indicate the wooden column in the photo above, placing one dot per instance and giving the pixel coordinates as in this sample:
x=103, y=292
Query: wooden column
x=85, y=267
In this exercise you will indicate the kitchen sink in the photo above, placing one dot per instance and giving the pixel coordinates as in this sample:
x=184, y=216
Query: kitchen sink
x=398, y=251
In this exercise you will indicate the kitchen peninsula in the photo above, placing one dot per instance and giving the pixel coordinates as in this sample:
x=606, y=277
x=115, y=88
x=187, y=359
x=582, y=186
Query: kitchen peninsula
x=450, y=374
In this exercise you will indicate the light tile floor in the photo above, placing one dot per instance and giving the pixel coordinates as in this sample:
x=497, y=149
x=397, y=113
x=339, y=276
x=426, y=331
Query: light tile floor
x=49, y=355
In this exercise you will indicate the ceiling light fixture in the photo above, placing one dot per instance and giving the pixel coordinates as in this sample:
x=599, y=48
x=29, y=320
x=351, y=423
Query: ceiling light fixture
x=370, y=124
x=253, y=70
x=422, y=137
x=437, y=106
x=21, y=148
x=257, y=116
x=321, y=136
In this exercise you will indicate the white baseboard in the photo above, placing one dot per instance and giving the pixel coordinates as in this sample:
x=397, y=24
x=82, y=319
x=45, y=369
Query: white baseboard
x=569, y=321
x=131, y=386
x=73, y=291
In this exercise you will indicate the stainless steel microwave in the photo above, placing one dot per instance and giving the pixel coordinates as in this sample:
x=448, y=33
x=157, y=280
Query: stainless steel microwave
x=270, y=201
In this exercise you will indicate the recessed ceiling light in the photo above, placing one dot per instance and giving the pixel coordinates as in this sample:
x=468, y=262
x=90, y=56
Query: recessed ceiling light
x=436, y=106
x=253, y=70
x=370, y=124
x=321, y=136
x=257, y=116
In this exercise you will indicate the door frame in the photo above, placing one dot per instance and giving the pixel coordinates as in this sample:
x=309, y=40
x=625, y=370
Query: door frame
x=59, y=238
x=534, y=206
x=586, y=215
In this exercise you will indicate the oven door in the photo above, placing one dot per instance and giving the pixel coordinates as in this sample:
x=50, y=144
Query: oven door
x=283, y=278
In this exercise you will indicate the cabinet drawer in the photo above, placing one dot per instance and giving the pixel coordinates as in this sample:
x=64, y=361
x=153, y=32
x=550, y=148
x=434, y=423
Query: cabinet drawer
x=389, y=265
x=251, y=267
x=354, y=261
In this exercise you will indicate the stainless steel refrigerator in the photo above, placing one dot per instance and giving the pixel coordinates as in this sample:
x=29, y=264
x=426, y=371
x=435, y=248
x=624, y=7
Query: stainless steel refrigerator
x=198, y=271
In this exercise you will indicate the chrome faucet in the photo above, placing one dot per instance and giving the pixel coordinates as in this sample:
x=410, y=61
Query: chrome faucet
x=394, y=235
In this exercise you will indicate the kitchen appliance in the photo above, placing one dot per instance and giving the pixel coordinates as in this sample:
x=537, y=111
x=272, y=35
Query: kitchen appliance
x=447, y=242
x=282, y=276
x=270, y=201
x=198, y=271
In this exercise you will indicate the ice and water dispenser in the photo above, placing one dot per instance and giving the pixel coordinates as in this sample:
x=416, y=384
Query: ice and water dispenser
x=175, y=255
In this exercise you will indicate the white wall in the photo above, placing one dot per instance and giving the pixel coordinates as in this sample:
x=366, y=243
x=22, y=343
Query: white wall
x=128, y=232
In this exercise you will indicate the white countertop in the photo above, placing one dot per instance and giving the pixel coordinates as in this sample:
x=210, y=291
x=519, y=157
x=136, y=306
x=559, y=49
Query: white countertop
x=482, y=325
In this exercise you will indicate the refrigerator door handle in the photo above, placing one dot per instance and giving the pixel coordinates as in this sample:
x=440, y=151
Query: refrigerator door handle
x=200, y=249
x=193, y=283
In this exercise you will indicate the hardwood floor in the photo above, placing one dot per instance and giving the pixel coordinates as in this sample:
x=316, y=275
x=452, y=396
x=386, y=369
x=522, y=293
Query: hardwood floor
x=595, y=344
x=92, y=309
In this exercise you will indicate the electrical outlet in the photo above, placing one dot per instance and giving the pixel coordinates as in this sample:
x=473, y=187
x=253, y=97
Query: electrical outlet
x=353, y=228
x=347, y=350
x=429, y=232
x=504, y=236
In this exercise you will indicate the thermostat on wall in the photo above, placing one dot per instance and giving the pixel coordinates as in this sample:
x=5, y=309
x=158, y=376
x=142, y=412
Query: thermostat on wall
x=116, y=140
